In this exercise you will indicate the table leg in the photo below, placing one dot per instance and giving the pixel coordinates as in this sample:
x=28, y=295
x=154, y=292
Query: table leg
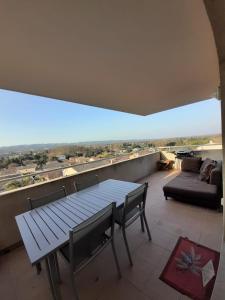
x=52, y=276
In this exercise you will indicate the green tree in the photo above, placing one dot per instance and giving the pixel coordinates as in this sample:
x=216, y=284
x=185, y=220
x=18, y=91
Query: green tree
x=41, y=160
x=18, y=160
x=4, y=162
x=13, y=185
x=151, y=145
x=26, y=181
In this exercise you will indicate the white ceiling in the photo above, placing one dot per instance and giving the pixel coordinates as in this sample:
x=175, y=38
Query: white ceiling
x=135, y=56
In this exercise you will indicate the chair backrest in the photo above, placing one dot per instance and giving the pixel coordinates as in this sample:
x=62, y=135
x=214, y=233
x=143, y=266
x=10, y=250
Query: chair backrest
x=90, y=232
x=83, y=184
x=45, y=199
x=135, y=198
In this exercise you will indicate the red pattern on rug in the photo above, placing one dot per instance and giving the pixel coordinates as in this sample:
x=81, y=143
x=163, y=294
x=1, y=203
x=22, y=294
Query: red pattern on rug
x=188, y=282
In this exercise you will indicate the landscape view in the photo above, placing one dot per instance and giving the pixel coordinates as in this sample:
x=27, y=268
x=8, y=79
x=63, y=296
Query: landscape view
x=28, y=164
x=45, y=140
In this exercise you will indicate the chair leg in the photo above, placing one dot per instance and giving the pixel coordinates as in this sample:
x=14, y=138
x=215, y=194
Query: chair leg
x=127, y=246
x=75, y=292
x=116, y=258
x=146, y=224
x=52, y=277
x=38, y=268
x=57, y=268
x=142, y=224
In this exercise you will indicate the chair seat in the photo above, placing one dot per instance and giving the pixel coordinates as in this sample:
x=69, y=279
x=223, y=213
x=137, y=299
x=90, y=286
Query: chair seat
x=130, y=215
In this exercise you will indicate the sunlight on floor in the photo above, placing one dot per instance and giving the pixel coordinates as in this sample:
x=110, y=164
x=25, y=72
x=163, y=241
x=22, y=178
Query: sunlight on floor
x=171, y=174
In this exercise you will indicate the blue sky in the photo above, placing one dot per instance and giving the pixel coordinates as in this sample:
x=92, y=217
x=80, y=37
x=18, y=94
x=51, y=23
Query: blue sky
x=27, y=119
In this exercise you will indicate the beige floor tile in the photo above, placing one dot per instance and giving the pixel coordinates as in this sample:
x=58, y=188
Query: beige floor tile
x=158, y=290
x=122, y=290
x=99, y=281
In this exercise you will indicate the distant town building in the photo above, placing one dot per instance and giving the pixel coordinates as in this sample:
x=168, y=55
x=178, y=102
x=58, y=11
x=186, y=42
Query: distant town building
x=61, y=157
x=123, y=151
x=69, y=172
x=78, y=160
x=93, y=159
x=73, y=160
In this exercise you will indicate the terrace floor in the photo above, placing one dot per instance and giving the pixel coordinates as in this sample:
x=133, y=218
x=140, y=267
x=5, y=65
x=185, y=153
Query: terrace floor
x=167, y=219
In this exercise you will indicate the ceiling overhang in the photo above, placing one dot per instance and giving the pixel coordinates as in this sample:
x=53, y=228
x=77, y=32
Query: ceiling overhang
x=140, y=57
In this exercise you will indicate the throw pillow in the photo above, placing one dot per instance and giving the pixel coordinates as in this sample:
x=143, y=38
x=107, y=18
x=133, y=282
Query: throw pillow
x=207, y=166
x=191, y=164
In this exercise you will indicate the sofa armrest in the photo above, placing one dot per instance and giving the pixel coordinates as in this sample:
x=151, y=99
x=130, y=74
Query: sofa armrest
x=216, y=178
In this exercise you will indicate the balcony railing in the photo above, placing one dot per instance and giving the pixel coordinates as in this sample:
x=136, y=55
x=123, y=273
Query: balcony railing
x=213, y=151
x=191, y=147
x=72, y=169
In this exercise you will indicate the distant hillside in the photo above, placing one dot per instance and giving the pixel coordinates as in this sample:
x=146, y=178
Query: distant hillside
x=191, y=140
x=27, y=148
x=157, y=142
x=41, y=147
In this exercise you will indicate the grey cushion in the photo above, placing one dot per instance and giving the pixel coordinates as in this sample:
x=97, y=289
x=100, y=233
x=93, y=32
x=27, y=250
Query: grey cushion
x=191, y=164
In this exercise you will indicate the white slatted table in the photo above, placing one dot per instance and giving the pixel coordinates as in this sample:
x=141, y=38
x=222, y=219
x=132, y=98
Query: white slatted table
x=46, y=229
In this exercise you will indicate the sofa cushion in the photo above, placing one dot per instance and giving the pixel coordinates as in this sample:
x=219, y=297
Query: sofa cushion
x=188, y=185
x=206, y=168
x=191, y=164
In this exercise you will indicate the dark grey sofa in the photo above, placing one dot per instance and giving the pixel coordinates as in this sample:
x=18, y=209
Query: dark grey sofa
x=187, y=187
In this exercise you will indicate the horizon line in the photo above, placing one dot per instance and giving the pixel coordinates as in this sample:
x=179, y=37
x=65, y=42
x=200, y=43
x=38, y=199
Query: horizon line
x=113, y=140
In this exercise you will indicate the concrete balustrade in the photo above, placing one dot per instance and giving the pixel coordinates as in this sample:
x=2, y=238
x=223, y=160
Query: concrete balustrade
x=15, y=202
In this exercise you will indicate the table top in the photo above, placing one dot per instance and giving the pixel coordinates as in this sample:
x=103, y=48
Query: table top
x=46, y=228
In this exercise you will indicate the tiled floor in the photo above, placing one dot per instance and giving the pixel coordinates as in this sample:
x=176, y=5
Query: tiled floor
x=167, y=219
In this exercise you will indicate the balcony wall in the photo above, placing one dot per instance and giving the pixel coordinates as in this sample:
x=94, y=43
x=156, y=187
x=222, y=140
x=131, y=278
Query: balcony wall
x=215, y=154
x=15, y=202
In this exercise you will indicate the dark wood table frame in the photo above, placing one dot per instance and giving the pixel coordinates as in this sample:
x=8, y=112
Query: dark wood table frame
x=45, y=229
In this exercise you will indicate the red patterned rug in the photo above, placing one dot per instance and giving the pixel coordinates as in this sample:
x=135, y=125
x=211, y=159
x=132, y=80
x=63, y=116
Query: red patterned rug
x=191, y=269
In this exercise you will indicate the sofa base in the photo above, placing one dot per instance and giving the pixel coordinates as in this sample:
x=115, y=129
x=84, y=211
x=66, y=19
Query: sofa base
x=215, y=204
